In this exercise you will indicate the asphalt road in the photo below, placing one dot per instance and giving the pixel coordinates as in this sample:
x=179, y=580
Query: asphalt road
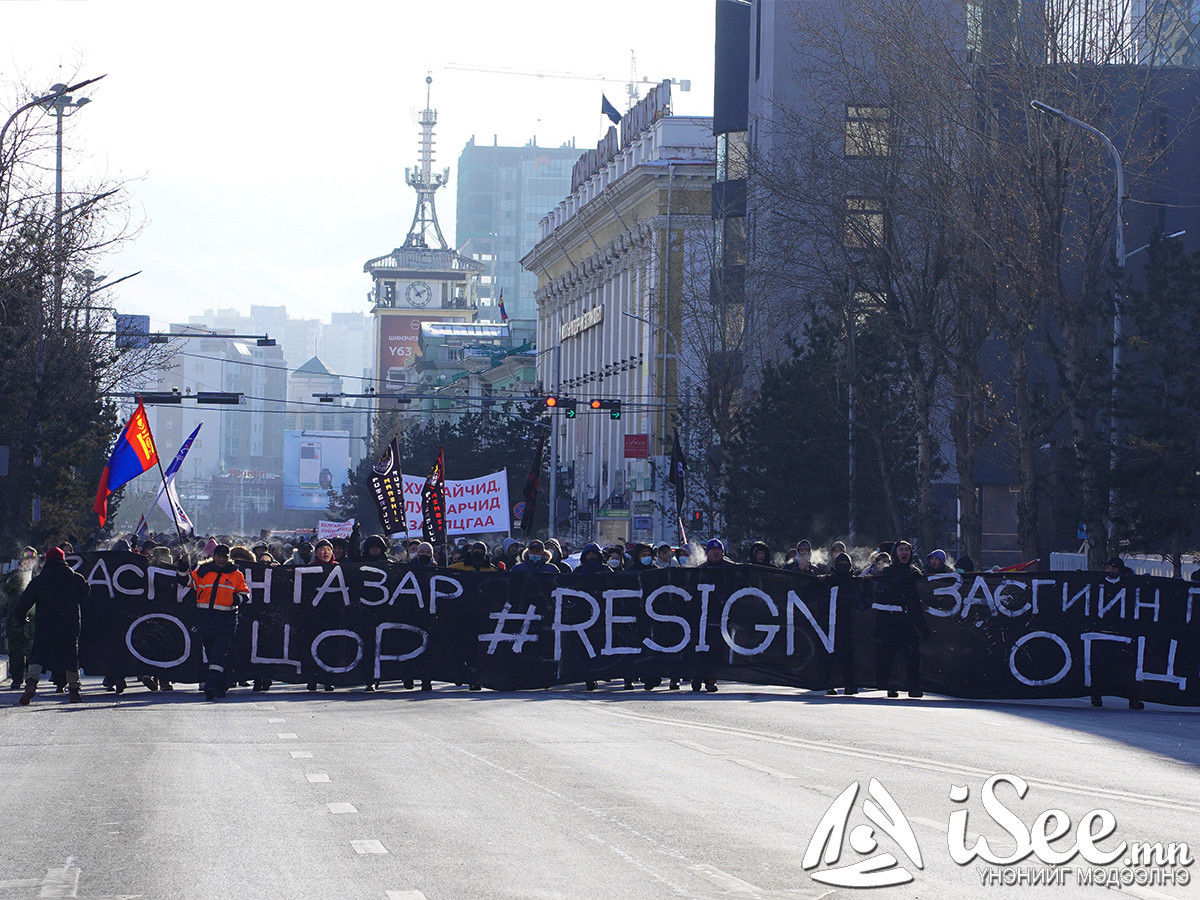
x=561, y=793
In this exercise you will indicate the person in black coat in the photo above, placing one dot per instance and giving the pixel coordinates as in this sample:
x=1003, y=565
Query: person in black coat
x=849, y=600
x=58, y=592
x=899, y=628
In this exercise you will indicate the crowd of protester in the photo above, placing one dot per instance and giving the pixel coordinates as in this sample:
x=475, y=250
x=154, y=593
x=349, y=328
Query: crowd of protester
x=42, y=601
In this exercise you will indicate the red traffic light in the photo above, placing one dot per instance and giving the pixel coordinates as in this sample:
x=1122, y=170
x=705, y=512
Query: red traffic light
x=595, y=404
x=551, y=402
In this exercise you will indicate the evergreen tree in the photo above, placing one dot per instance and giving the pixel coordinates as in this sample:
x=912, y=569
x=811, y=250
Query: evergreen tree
x=1159, y=406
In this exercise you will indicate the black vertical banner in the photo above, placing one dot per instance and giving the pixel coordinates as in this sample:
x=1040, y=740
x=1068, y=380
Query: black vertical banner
x=433, y=502
x=387, y=487
x=531, y=485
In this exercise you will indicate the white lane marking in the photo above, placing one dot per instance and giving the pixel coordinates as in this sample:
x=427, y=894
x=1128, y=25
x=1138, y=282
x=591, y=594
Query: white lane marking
x=914, y=762
x=301, y=754
x=341, y=807
x=266, y=707
x=749, y=764
x=317, y=778
x=368, y=847
x=405, y=895
x=692, y=745
x=729, y=883
x=61, y=882
x=757, y=767
x=287, y=736
x=276, y=721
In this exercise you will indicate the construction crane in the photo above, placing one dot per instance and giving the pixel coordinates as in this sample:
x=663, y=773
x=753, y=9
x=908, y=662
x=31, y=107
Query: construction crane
x=632, y=84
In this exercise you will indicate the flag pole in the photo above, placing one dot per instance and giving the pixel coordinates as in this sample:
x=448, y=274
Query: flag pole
x=163, y=476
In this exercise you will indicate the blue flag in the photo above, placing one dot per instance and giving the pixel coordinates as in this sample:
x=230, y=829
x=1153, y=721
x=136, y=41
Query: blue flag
x=609, y=110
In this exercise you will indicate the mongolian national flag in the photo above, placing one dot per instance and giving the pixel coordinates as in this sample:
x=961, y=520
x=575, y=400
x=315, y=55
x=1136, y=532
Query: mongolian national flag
x=433, y=502
x=387, y=487
x=134, y=454
x=678, y=467
x=1019, y=567
x=531, y=485
x=503, y=314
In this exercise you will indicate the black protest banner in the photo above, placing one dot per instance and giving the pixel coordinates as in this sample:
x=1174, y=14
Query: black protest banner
x=1027, y=635
x=386, y=482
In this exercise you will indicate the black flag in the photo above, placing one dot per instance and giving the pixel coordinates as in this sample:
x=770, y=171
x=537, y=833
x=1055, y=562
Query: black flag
x=678, y=467
x=387, y=487
x=433, y=502
x=531, y=485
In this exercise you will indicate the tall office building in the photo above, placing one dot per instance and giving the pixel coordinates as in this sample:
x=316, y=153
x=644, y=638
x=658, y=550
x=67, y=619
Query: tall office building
x=503, y=192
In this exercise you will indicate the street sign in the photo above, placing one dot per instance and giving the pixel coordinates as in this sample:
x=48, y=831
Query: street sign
x=643, y=523
x=637, y=446
x=612, y=514
x=519, y=511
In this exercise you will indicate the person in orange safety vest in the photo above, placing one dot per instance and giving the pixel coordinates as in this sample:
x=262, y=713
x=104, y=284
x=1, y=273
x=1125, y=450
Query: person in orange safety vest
x=219, y=587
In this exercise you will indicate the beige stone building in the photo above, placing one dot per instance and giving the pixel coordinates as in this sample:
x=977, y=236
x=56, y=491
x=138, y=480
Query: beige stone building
x=613, y=263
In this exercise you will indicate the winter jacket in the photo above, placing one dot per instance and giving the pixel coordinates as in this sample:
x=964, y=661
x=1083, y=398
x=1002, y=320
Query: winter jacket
x=58, y=593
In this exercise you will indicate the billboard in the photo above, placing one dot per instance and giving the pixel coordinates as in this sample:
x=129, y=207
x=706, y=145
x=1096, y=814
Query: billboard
x=399, y=349
x=314, y=463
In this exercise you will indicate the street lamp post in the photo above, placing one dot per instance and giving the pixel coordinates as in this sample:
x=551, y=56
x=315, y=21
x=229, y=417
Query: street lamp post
x=675, y=343
x=60, y=105
x=1118, y=325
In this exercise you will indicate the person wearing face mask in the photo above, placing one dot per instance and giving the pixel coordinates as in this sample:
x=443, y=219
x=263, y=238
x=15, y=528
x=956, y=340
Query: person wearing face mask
x=641, y=560
x=900, y=626
x=849, y=601
x=535, y=560
x=424, y=554
x=477, y=560
x=591, y=559
x=614, y=558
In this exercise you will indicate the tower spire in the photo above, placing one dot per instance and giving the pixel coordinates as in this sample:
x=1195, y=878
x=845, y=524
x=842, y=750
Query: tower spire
x=425, y=231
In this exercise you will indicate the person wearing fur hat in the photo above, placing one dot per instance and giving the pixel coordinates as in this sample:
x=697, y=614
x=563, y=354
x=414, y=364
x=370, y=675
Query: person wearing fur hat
x=58, y=592
x=536, y=560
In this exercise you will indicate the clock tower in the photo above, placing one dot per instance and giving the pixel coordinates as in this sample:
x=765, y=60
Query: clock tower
x=422, y=281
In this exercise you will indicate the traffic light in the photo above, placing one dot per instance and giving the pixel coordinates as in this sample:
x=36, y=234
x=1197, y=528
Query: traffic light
x=697, y=518
x=553, y=404
x=613, y=407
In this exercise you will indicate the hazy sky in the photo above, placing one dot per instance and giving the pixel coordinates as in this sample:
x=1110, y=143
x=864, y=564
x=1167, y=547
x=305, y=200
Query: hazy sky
x=264, y=143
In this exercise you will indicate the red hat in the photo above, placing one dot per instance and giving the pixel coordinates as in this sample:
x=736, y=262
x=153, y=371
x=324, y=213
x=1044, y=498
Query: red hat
x=55, y=554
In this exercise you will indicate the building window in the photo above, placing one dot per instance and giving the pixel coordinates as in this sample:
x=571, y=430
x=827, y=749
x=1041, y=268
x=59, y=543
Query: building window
x=864, y=223
x=389, y=292
x=732, y=151
x=868, y=131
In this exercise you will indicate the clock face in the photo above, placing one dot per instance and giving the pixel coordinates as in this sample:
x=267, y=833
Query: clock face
x=418, y=293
